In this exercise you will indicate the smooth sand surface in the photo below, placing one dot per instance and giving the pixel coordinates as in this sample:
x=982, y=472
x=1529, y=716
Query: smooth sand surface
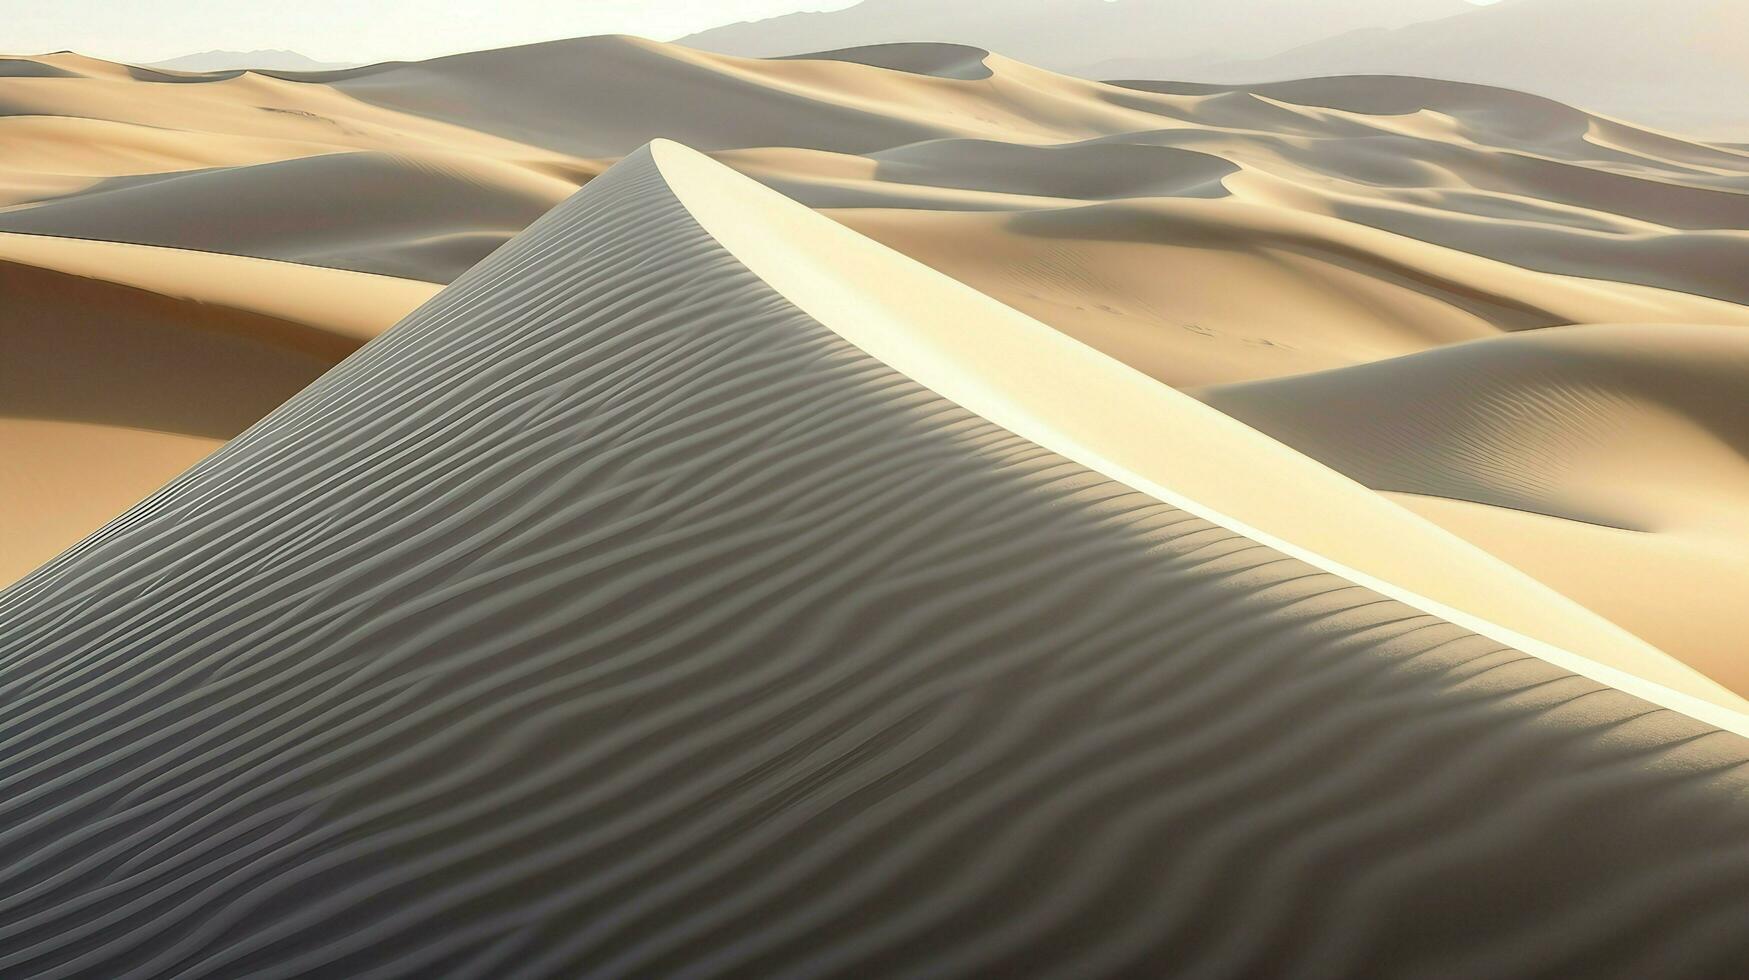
x=62, y=479
x=616, y=614
x=1207, y=236
x=1611, y=460
x=124, y=364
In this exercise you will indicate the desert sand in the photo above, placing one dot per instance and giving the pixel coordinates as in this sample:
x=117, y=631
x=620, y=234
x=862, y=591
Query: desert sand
x=1373, y=239
x=124, y=364
x=606, y=508
x=697, y=587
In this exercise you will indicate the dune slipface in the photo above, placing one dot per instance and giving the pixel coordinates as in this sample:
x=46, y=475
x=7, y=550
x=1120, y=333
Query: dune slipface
x=611, y=615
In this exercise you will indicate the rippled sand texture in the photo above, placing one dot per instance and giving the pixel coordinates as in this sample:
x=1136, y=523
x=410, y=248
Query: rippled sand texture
x=611, y=615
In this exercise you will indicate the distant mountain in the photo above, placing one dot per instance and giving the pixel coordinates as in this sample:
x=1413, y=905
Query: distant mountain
x=1678, y=64
x=1073, y=35
x=233, y=60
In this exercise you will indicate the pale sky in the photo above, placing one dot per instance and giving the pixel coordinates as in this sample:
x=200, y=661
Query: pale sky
x=353, y=30
x=359, y=30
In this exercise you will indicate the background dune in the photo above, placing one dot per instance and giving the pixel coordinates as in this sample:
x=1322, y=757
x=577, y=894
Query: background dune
x=275, y=59
x=1678, y=63
x=1214, y=237
x=1072, y=35
x=1673, y=63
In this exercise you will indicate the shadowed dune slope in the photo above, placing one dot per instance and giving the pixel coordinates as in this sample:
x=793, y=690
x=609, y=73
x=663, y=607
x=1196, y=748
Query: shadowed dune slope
x=613, y=615
x=919, y=58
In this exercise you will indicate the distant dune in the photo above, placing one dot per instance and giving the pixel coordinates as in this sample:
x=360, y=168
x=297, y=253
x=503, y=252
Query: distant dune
x=275, y=60
x=1209, y=236
x=1069, y=35
x=697, y=587
x=1681, y=64
x=1673, y=64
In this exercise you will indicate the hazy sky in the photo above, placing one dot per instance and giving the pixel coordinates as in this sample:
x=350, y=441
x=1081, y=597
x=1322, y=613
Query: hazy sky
x=359, y=30
x=353, y=30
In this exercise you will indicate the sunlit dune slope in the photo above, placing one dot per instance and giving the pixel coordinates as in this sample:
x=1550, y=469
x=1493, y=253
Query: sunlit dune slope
x=1610, y=460
x=123, y=365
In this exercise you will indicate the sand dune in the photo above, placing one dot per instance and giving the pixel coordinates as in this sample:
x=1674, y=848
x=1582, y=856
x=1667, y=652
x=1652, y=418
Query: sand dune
x=1678, y=63
x=1069, y=35
x=1198, y=233
x=276, y=60
x=1066, y=397
x=830, y=103
x=1462, y=169
x=1675, y=63
x=363, y=211
x=1626, y=445
x=1067, y=528
x=941, y=60
x=631, y=609
x=124, y=365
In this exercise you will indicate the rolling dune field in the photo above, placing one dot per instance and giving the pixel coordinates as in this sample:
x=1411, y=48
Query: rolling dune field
x=602, y=508
x=1207, y=236
x=684, y=635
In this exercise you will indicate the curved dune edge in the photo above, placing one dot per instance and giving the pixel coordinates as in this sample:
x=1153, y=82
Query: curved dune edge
x=1087, y=407
x=339, y=308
